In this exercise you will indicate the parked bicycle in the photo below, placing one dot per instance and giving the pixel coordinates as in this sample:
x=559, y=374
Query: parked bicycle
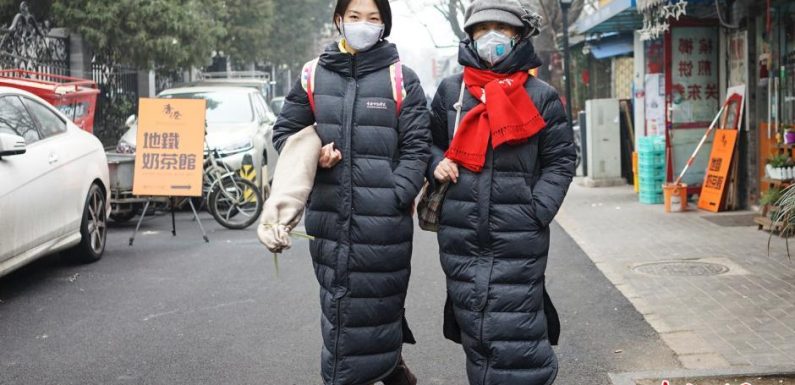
x=234, y=202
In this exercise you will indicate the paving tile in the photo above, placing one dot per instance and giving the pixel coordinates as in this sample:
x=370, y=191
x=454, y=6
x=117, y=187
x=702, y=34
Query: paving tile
x=744, y=317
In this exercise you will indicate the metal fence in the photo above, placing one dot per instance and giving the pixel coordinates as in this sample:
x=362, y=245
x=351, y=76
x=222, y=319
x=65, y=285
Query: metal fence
x=167, y=79
x=117, y=100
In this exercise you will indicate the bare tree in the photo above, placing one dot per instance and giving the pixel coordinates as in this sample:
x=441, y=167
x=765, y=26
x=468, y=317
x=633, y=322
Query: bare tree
x=546, y=43
x=453, y=11
x=553, y=21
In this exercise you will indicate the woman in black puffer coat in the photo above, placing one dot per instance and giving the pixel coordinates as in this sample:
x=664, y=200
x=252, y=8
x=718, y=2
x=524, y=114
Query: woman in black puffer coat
x=510, y=162
x=372, y=167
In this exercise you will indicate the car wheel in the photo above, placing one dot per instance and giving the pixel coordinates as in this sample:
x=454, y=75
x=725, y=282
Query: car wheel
x=93, y=228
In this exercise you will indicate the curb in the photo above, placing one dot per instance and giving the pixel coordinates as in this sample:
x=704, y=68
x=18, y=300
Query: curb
x=630, y=378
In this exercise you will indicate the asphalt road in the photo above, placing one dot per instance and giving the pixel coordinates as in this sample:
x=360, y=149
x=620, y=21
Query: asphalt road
x=173, y=310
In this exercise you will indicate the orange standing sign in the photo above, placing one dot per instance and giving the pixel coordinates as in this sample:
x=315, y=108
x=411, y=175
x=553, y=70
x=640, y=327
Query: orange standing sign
x=169, y=156
x=718, y=170
x=720, y=160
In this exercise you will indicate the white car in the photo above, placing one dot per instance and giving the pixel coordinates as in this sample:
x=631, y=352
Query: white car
x=53, y=184
x=239, y=123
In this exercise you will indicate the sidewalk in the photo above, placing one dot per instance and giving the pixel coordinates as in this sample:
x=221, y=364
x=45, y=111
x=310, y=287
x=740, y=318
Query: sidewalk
x=712, y=318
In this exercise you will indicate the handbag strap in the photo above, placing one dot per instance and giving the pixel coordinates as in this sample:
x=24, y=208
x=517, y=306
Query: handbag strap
x=458, y=107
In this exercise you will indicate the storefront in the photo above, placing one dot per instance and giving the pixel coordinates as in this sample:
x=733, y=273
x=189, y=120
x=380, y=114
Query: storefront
x=692, y=88
x=691, y=56
x=604, y=69
x=687, y=54
x=772, y=72
x=688, y=64
x=607, y=45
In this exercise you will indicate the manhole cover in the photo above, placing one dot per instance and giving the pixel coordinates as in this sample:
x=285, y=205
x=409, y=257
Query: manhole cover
x=682, y=269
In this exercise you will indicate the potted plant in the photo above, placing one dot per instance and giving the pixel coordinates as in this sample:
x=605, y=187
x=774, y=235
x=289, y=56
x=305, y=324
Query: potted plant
x=769, y=201
x=783, y=217
x=776, y=166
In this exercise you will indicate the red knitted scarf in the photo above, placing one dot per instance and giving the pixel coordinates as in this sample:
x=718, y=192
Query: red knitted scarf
x=506, y=115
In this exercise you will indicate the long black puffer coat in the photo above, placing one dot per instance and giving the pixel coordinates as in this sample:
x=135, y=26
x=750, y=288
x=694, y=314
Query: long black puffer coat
x=494, y=233
x=359, y=211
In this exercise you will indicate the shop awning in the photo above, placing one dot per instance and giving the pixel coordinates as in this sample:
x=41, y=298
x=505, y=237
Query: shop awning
x=615, y=16
x=616, y=46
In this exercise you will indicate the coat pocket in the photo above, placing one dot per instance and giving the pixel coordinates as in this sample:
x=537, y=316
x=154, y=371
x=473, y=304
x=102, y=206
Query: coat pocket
x=530, y=181
x=395, y=195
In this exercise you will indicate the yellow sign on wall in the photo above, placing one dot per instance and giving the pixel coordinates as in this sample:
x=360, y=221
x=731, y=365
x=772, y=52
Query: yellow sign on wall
x=169, y=153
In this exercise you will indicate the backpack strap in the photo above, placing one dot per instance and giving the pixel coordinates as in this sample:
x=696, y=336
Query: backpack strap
x=398, y=90
x=308, y=81
x=395, y=71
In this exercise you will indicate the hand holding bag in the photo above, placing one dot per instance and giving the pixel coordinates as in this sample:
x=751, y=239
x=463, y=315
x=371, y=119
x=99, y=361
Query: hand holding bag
x=292, y=183
x=430, y=207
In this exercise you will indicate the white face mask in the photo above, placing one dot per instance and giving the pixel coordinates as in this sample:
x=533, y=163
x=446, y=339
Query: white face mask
x=362, y=36
x=494, y=47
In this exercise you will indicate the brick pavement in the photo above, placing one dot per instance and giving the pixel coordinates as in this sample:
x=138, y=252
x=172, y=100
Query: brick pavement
x=742, y=318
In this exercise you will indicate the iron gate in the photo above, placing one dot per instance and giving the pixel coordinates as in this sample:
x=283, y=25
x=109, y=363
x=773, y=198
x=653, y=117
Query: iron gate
x=32, y=45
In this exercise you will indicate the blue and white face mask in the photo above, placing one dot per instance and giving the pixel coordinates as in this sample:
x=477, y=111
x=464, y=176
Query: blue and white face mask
x=494, y=47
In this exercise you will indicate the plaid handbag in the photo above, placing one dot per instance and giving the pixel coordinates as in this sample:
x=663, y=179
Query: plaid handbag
x=430, y=207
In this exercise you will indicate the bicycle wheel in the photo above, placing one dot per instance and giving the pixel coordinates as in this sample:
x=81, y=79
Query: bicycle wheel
x=236, y=205
x=211, y=173
x=227, y=182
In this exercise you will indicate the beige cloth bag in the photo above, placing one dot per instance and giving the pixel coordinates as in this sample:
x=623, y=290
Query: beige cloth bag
x=292, y=183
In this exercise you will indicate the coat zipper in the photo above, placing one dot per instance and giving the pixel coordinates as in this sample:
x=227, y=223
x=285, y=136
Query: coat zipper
x=486, y=249
x=349, y=110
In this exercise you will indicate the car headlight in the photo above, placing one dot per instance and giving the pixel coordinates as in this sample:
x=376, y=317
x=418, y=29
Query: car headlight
x=125, y=147
x=238, y=146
